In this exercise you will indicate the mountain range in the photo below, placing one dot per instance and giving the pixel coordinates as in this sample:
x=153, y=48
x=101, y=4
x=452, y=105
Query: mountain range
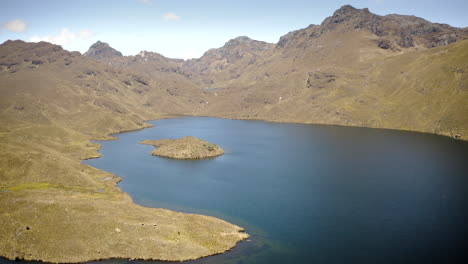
x=356, y=69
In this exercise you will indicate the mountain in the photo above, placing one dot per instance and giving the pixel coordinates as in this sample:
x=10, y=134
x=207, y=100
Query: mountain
x=339, y=73
x=355, y=68
x=228, y=62
x=225, y=63
x=167, y=71
x=395, y=31
x=101, y=50
x=52, y=103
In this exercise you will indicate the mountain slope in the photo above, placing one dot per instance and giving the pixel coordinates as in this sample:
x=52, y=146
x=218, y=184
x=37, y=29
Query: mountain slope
x=53, y=103
x=334, y=74
x=228, y=62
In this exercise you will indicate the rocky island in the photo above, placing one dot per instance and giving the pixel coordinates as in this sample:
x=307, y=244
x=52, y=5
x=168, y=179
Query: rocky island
x=184, y=148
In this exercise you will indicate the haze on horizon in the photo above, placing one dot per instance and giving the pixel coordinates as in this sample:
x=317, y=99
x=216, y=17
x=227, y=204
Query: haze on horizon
x=187, y=29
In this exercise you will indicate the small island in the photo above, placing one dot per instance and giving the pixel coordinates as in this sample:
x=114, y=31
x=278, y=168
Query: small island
x=184, y=148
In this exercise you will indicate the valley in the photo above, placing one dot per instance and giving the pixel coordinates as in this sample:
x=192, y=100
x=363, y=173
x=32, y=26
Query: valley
x=355, y=69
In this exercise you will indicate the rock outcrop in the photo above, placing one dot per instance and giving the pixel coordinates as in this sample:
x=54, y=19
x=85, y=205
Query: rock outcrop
x=404, y=31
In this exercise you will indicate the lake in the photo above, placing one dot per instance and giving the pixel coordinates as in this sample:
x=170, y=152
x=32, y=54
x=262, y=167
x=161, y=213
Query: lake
x=307, y=193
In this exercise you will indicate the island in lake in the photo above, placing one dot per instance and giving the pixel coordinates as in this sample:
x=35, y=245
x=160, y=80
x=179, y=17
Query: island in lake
x=184, y=148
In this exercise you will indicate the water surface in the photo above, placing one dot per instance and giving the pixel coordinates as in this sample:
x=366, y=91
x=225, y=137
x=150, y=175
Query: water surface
x=308, y=193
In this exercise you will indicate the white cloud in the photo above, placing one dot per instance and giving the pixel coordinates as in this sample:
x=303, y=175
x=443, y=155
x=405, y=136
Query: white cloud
x=86, y=34
x=63, y=38
x=171, y=17
x=16, y=25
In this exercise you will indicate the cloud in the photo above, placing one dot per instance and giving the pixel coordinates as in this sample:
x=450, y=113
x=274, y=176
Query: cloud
x=63, y=38
x=16, y=25
x=86, y=34
x=171, y=17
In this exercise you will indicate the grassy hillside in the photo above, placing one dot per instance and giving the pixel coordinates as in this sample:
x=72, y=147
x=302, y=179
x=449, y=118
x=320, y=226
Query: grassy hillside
x=343, y=77
x=53, y=207
x=416, y=90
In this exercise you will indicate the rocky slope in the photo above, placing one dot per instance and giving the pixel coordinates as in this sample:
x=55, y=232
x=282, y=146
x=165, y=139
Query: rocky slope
x=153, y=66
x=226, y=63
x=184, y=148
x=394, y=31
x=217, y=64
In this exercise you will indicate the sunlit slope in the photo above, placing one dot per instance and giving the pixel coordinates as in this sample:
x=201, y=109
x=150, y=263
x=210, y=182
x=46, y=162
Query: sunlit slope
x=343, y=77
x=53, y=207
x=355, y=68
x=425, y=91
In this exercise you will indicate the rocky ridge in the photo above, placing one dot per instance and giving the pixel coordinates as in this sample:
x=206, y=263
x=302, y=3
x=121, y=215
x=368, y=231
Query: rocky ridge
x=394, y=31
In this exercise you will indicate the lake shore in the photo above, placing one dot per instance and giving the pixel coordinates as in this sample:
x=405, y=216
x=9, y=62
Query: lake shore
x=291, y=168
x=44, y=219
x=46, y=201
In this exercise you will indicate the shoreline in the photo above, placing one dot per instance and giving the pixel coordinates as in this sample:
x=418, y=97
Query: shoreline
x=110, y=210
x=461, y=138
x=146, y=124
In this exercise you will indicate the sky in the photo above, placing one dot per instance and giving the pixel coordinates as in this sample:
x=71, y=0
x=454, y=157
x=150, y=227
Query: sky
x=188, y=28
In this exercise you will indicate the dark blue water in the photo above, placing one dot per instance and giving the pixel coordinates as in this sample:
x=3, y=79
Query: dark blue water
x=308, y=193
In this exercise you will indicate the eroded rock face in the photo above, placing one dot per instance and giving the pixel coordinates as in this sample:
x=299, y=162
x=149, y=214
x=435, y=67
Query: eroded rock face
x=184, y=148
x=406, y=31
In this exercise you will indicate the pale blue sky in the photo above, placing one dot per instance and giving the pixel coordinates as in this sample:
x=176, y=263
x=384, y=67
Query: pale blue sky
x=188, y=28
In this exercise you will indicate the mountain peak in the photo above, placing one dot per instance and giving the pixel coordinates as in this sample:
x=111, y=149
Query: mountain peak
x=345, y=13
x=349, y=9
x=239, y=40
x=346, y=9
x=246, y=41
x=243, y=39
x=102, y=50
x=100, y=44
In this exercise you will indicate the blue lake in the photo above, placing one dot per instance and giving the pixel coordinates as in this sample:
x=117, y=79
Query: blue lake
x=308, y=193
